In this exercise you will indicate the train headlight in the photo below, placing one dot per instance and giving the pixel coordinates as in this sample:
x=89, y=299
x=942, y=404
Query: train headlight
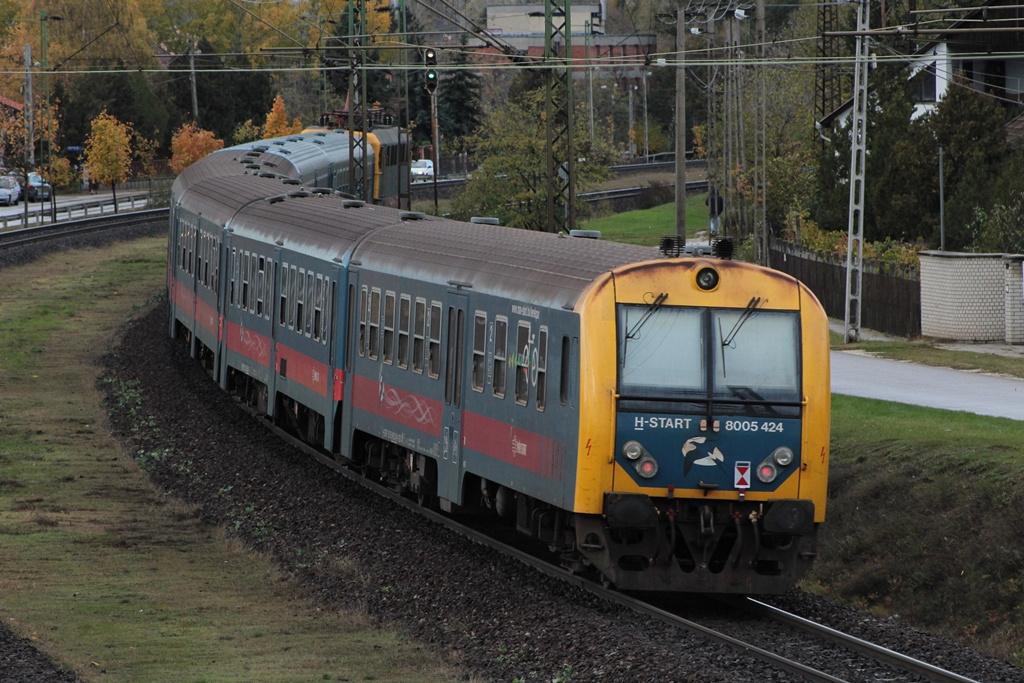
x=767, y=472
x=707, y=279
x=632, y=450
x=782, y=456
x=647, y=467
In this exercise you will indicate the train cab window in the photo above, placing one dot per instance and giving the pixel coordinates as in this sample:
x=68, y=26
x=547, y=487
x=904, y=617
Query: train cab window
x=434, y=335
x=373, y=324
x=293, y=298
x=542, y=367
x=309, y=303
x=300, y=300
x=479, y=350
x=523, y=363
x=260, y=281
x=404, y=306
x=419, y=334
x=565, y=374
x=500, y=351
x=388, y=352
x=283, y=311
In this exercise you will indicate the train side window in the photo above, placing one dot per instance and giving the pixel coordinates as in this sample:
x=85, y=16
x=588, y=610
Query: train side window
x=283, y=313
x=565, y=374
x=374, y=324
x=419, y=334
x=245, y=280
x=362, y=320
x=309, y=303
x=293, y=298
x=300, y=300
x=434, y=347
x=260, y=282
x=479, y=350
x=542, y=368
x=268, y=289
x=330, y=295
x=318, y=309
x=404, y=306
x=216, y=265
x=453, y=369
x=233, y=271
x=523, y=363
x=253, y=284
x=500, y=351
x=388, y=353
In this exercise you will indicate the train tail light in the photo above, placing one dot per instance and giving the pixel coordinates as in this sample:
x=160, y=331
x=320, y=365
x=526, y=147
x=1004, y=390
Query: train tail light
x=647, y=467
x=767, y=472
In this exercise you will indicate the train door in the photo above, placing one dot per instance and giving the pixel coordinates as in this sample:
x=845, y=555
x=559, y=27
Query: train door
x=448, y=470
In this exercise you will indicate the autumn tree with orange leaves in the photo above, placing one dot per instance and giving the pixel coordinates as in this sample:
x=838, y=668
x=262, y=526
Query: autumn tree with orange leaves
x=277, y=121
x=108, y=151
x=190, y=144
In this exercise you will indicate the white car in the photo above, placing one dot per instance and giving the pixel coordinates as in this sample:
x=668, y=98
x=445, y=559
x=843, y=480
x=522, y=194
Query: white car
x=422, y=169
x=10, y=190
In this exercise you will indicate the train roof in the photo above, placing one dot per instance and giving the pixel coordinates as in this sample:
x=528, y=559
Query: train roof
x=521, y=265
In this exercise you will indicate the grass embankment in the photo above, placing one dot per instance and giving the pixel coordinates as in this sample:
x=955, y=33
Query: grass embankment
x=105, y=574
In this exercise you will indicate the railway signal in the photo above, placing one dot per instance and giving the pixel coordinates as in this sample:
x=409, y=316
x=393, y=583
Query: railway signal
x=430, y=76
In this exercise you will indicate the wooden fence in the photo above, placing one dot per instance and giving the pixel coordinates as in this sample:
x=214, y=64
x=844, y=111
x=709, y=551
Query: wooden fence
x=891, y=296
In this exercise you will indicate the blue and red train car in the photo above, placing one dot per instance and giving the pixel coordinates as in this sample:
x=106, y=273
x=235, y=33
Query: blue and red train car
x=662, y=422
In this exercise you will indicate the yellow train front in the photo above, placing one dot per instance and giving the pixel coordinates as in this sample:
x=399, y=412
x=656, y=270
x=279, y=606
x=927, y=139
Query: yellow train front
x=704, y=427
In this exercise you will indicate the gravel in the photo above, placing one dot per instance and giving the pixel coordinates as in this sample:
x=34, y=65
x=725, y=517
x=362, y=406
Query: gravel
x=354, y=549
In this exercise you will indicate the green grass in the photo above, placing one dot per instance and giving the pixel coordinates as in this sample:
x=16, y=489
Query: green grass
x=104, y=573
x=923, y=520
x=647, y=226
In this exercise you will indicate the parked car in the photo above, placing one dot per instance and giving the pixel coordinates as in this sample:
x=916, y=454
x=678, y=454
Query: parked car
x=10, y=190
x=422, y=169
x=38, y=189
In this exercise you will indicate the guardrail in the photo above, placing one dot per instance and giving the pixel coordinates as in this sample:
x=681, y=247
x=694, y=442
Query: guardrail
x=45, y=212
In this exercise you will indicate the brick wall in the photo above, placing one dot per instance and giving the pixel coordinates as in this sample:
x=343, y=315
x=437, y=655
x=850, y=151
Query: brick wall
x=972, y=297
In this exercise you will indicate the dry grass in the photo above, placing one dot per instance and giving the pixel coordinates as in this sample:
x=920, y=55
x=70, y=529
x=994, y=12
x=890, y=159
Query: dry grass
x=107, y=575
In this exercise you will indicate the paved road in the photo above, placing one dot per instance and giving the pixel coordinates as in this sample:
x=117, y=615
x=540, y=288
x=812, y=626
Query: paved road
x=856, y=374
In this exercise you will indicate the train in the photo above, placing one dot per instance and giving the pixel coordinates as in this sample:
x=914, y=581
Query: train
x=658, y=420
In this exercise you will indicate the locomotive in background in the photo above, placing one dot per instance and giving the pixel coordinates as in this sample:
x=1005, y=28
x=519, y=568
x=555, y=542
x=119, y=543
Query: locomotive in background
x=659, y=421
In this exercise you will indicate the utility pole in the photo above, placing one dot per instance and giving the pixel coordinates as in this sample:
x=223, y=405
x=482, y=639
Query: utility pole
x=558, y=108
x=681, y=123
x=858, y=144
x=30, y=119
x=192, y=75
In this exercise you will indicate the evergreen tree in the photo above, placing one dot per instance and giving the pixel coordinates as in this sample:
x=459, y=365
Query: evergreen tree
x=459, y=111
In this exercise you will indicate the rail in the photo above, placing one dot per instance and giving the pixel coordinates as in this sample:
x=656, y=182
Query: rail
x=45, y=212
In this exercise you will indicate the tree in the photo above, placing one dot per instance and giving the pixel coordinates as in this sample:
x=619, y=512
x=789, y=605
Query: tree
x=277, y=121
x=108, y=151
x=190, y=144
x=511, y=183
x=459, y=112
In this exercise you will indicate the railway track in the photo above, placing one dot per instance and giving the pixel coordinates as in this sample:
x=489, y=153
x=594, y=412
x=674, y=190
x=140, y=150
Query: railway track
x=776, y=638
x=50, y=232
x=796, y=634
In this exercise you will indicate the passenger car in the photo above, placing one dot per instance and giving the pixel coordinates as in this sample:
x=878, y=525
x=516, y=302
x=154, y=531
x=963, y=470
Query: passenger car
x=38, y=189
x=10, y=190
x=422, y=169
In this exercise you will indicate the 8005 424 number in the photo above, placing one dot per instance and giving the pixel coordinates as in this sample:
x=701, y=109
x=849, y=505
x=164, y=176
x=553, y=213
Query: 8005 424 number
x=753, y=426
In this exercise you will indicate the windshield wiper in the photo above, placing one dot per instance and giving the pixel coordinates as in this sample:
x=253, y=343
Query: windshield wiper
x=748, y=312
x=651, y=310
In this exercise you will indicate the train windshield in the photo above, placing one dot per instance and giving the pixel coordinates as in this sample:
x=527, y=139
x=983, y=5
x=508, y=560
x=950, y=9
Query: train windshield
x=740, y=355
